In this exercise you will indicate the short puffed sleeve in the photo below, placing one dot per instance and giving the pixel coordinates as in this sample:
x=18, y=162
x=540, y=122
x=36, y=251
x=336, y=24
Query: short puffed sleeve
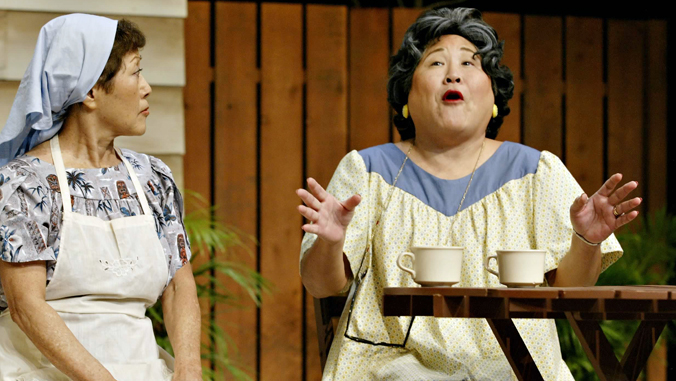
x=351, y=177
x=25, y=212
x=554, y=191
x=167, y=203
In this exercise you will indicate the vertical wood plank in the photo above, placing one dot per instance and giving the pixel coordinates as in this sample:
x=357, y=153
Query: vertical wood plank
x=542, y=111
x=584, y=101
x=656, y=92
x=369, y=53
x=402, y=18
x=197, y=121
x=508, y=27
x=326, y=124
x=625, y=100
x=235, y=161
x=196, y=99
x=656, y=170
x=326, y=90
x=281, y=173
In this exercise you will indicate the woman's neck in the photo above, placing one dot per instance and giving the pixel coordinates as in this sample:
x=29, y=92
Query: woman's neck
x=449, y=162
x=85, y=144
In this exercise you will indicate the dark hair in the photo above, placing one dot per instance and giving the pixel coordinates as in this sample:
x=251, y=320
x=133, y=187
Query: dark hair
x=128, y=38
x=426, y=31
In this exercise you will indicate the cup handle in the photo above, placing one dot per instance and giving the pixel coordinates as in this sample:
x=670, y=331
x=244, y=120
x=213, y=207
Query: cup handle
x=401, y=265
x=488, y=259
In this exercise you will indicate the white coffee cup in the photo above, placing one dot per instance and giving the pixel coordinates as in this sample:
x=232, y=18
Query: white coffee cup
x=519, y=268
x=433, y=266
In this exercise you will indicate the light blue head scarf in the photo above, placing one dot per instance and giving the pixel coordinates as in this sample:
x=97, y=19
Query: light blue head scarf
x=69, y=57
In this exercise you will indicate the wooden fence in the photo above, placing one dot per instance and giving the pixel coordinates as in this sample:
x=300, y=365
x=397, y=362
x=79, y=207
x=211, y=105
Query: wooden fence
x=278, y=92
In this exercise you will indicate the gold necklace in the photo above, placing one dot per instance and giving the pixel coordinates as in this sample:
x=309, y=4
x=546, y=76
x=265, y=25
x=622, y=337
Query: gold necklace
x=367, y=252
x=462, y=200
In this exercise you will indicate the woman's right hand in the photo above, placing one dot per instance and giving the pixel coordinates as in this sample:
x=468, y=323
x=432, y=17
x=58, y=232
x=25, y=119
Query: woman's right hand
x=329, y=216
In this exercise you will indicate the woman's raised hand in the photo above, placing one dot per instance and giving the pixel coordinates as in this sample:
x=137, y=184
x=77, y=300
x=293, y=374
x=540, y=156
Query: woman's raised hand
x=597, y=217
x=329, y=216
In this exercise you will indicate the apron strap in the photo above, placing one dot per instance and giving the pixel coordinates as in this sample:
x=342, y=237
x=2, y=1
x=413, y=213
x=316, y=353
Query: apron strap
x=137, y=184
x=63, y=179
x=61, y=175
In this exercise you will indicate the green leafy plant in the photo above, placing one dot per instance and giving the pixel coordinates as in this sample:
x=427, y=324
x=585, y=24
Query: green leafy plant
x=649, y=258
x=208, y=237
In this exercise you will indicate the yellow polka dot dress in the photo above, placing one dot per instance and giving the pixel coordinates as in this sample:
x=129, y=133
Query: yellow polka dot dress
x=519, y=199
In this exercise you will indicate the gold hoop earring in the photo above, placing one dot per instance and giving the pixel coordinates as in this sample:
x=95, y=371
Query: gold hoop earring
x=404, y=111
x=495, y=110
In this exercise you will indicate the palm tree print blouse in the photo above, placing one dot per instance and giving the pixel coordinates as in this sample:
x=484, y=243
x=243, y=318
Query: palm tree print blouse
x=30, y=207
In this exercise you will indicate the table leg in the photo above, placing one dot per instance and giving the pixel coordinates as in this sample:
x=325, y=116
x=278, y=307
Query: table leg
x=597, y=348
x=515, y=349
x=642, y=344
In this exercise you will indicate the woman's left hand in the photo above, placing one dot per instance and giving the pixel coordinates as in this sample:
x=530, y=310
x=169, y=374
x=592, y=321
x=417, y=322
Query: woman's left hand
x=597, y=217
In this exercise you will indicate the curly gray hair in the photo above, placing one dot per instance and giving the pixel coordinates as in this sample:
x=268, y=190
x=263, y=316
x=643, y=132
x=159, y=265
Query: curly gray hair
x=426, y=31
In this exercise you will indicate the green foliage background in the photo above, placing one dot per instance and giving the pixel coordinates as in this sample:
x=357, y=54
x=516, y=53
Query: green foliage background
x=208, y=237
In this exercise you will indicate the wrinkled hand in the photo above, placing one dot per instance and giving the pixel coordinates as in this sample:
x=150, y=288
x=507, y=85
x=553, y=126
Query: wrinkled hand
x=329, y=216
x=593, y=217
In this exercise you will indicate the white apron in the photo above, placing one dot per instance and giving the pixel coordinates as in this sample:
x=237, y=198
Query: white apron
x=107, y=274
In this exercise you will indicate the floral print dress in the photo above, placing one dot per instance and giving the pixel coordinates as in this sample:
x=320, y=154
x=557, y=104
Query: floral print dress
x=31, y=207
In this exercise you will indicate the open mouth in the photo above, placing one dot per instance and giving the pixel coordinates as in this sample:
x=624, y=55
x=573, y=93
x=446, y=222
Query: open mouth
x=452, y=95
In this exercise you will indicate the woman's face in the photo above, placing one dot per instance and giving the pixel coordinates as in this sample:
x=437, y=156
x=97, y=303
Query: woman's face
x=126, y=107
x=451, y=95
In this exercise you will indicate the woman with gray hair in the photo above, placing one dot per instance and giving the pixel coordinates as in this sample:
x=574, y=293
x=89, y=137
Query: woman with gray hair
x=449, y=182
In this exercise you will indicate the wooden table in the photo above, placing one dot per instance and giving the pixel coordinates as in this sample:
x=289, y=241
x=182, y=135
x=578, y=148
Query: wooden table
x=583, y=307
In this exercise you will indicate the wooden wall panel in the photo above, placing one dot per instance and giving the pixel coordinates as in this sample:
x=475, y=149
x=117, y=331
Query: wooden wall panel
x=163, y=56
x=196, y=94
x=3, y=40
x=326, y=90
x=656, y=123
x=626, y=99
x=8, y=91
x=236, y=160
x=584, y=101
x=197, y=170
x=155, y=8
x=21, y=33
x=508, y=27
x=369, y=55
x=543, y=70
x=326, y=123
x=402, y=18
x=281, y=173
x=655, y=168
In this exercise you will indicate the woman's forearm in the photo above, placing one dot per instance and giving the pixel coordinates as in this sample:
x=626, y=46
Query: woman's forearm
x=580, y=267
x=325, y=270
x=45, y=328
x=183, y=322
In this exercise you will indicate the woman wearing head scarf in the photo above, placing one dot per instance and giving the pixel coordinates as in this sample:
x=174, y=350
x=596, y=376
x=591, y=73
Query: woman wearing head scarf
x=449, y=183
x=91, y=235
